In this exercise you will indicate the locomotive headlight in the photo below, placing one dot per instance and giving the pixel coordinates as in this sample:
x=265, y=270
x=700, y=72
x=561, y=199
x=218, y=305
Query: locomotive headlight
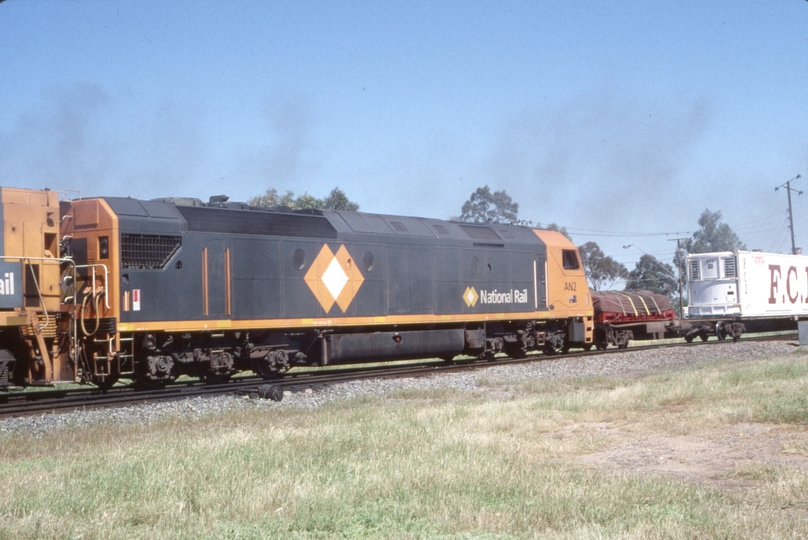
x=103, y=247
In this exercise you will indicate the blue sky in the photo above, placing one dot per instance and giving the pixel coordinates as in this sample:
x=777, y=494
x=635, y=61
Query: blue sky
x=620, y=120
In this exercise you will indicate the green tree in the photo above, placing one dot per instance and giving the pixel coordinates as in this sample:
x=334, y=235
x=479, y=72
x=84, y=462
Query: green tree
x=272, y=198
x=713, y=235
x=600, y=269
x=652, y=275
x=336, y=200
x=307, y=201
x=484, y=206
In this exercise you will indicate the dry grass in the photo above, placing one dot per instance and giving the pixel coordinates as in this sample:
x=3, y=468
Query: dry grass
x=576, y=458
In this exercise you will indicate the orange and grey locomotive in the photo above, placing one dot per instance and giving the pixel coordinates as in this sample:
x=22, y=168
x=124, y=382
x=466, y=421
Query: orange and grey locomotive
x=152, y=290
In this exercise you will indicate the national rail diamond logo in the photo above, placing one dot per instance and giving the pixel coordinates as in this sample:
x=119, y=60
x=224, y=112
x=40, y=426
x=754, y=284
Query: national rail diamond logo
x=471, y=297
x=334, y=278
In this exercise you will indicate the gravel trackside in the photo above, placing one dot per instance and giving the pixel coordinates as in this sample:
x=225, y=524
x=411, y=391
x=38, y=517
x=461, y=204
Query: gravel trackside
x=640, y=361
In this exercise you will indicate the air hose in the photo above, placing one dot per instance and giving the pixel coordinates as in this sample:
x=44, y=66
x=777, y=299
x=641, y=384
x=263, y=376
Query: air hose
x=96, y=298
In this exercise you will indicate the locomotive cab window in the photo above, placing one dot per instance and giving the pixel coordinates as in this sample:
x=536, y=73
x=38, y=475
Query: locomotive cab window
x=570, y=259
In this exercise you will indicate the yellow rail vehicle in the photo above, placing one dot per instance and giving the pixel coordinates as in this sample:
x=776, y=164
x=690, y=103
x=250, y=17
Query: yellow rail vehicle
x=34, y=321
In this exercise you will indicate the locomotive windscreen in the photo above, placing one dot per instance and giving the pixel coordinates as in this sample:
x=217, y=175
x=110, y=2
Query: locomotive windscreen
x=221, y=220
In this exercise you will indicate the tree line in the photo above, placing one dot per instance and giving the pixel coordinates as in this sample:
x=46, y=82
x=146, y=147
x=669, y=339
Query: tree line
x=336, y=200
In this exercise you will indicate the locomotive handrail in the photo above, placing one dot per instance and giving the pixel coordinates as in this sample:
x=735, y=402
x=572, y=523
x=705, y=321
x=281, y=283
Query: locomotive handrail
x=64, y=194
x=106, y=279
x=27, y=260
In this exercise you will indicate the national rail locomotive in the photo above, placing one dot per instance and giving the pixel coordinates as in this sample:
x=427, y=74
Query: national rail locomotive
x=92, y=289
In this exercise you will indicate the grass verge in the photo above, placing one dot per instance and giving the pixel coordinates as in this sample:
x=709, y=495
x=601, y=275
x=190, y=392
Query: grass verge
x=437, y=464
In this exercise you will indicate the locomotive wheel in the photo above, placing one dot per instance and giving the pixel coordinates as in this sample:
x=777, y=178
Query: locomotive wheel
x=221, y=367
x=601, y=342
x=263, y=368
x=704, y=336
x=689, y=338
x=588, y=347
x=555, y=343
x=264, y=371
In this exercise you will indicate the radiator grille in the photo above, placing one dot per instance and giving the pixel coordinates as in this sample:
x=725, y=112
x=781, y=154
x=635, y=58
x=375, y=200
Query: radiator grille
x=148, y=251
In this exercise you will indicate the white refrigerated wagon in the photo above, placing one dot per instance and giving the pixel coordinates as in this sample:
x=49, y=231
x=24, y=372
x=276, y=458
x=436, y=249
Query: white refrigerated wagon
x=731, y=292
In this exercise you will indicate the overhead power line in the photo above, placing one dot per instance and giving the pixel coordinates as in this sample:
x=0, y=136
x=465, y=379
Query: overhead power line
x=594, y=232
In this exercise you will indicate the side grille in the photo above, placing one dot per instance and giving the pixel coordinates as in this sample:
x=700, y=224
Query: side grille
x=694, y=269
x=729, y=267
x=148, y=251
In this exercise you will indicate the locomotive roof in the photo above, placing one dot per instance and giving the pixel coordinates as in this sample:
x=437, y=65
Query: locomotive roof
x=193, y=215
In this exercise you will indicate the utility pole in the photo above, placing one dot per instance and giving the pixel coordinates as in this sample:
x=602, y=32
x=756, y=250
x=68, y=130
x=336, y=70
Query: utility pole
x=679, y=265
x=789, y=189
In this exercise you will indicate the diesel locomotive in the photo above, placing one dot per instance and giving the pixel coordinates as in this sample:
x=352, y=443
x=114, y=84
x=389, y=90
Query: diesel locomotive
x=98, y=288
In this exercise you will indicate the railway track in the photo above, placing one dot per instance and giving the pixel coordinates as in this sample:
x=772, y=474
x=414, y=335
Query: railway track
x=55, y=400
